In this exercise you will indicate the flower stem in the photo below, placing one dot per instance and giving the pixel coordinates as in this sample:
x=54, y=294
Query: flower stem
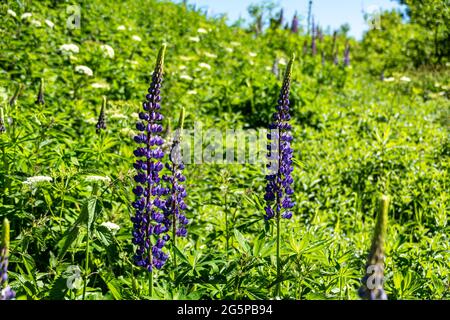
x=277, y=288
x=86, y=271
x=150, y=284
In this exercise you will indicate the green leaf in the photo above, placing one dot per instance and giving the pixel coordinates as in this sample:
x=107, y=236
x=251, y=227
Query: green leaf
x=242, y=241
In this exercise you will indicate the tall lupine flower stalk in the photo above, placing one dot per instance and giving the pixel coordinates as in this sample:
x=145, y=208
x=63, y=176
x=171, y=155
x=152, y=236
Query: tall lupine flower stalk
x=294, y=26
x=333, y=44
x=309, y=15
x=40, y=96
x=279, y=180
x=13, y=100
x=305, y=48
x=335, y=57
x=313, y=41
x=149, y=222
x=2, y=121
x=372, y=283
x=6, y=293
x=175, y=205
x=347, y=55
x=101, y=123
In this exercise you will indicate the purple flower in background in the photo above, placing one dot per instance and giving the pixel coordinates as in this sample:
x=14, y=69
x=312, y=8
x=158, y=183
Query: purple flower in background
x=149, y=223
x=294, y=26
x=175, y=205
x=347, y=55
x=313, y=41
x=40, y=97
x=101, y=124
x=279, y=180
x=6, y=293
x=2, y=121
x=373, y=280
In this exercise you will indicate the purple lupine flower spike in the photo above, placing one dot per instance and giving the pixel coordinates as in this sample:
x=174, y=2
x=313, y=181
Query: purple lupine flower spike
x=373, y=280
x=313, y=41
x=279, y=180
x=347, y=55
x=6, y=293
x=2, y=121
x=149, y=223
x=294, y=27
x=40, y=97
x=175, y=205
x=101, y=123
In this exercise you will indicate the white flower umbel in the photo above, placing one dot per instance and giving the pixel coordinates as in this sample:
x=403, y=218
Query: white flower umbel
x=108, y=51
x=26, y=15
x=230, y=50
x=85, y=70
x=136, y=38
x=36, y=23
x=186, y=77
x=100, y=85
x=69, y=48
x=37, y=179
x=97, y=179
x=405, y=79
x=210, y=55
x=194, y=39
x=12, y=13
x=121, y=28
x=50, y=24
x=390, y=79
x=110, y=226
x=204, y=65
x=252, y=54
x=192, y=92
x=201, y=30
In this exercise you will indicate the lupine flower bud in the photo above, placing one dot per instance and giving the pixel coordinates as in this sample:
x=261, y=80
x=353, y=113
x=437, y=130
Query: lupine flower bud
x=40, y=97
x=347, y=55
x=313, y=41
x=372, y=283
x=12, y=101
x=279, y=180
x=101, y=123
x=294, y=26
x=150, y=223
x=175, y=204
x=6, y=293
x=2, y=121
x=335, y=57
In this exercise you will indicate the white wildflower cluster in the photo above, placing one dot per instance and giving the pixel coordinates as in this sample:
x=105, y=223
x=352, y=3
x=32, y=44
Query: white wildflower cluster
x=186, y=77
x=136, y=38
x=69, y=48
x=194, y=39
x=110, y=226
x=100, y=85
x=204, y=65
x=107, y=50
x=85, y=70
x=12, y=13
x=37, y=179
x=97, y=179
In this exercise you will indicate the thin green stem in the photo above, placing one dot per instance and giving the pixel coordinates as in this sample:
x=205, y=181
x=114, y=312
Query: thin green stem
x=86, y=267
x=150, y=284
x=277, y=288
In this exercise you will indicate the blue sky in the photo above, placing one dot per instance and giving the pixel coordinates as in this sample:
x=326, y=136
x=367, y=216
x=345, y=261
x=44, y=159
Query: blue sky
x=331, y=13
